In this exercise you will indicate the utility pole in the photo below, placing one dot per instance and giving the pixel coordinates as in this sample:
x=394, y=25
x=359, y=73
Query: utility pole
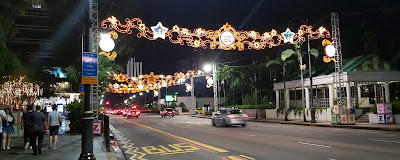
x=87, y=122
x=311, y=83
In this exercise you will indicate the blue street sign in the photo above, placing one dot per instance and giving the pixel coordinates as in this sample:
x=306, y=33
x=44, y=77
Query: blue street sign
x=89, y=64
x=81, y=88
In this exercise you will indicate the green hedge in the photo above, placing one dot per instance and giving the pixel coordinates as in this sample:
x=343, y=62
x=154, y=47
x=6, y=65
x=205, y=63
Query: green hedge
x=395, y=107
x=263, y=106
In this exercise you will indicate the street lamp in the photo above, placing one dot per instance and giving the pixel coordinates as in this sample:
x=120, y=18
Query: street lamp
x=208, y=68
x=106, y=43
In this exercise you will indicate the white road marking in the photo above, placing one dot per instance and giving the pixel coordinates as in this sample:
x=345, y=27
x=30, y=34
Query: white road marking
x=330, y=159
x=245, y=134
x=318, y=145
x=212, y=129
x=379, y=140
x=162, y=124
x=303, y=133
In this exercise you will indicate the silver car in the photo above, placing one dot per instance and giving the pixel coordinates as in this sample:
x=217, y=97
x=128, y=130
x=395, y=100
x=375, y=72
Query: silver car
x=229, y=117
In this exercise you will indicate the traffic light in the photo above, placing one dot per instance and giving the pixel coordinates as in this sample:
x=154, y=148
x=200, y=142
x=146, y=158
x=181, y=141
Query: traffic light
x=107, y=103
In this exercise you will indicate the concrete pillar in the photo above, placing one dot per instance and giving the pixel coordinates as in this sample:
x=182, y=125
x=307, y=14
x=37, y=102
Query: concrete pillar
x=331, y=95
x=387, y=92
x=287, y=98
x=348, y=93
x=277, y=98
x=307, y=92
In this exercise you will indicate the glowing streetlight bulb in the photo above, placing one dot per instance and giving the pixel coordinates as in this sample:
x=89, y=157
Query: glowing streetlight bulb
x=210, y=81
x=330, y=50
x=140, y=93
x=106, y=43
x=207, y=68
x=156, y=93
x=147, y=91
x=189, y=87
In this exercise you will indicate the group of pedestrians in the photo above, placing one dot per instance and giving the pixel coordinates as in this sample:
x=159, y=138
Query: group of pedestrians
x=34, y=125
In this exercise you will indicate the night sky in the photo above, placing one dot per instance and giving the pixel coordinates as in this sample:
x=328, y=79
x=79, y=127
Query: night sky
x=366, y=27
x=356, y=17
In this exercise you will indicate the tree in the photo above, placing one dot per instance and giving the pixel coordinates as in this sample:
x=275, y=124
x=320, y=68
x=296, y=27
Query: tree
x=8, y=10
x=283, y=61
x=298, y=52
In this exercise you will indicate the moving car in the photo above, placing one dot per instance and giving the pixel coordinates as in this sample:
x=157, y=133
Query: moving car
x=229, y=117
x=168, y=112
x=133, y=113
x=199, y=111
x=125, y=112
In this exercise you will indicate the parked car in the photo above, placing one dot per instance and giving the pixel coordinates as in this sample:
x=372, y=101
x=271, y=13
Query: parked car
x=199, y=111
x=229, y=117
x=133, y=113
x=168, y=112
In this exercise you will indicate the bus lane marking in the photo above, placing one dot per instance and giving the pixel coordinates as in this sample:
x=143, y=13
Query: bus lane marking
x=182, y=139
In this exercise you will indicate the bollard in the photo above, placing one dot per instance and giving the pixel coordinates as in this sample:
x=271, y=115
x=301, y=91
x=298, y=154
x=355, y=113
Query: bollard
x=106, y=132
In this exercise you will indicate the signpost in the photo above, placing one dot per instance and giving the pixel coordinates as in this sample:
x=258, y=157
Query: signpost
x=89, y=68
x=82, y=89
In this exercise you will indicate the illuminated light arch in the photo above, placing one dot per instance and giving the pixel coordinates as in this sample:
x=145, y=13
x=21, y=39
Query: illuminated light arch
x=212, y=38
x=128, y=85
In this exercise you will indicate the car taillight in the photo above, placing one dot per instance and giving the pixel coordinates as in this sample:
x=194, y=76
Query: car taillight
x=230, y=116
x=138, y=111
x=245, y=115
x=129, y=113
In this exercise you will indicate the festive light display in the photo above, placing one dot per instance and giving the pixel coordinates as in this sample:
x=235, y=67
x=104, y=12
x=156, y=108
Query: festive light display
x=17, y=92
x=150, y=81
x=105, y=40
x=330, y=51
x=226, y=37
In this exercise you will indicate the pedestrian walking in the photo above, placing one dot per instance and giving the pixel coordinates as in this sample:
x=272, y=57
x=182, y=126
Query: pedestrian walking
x=8, y=128
x=3, y=117
x=55, y=122
x=39, y=128
x=27, y=125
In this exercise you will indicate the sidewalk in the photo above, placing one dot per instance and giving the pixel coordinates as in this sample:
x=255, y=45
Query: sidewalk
x=68, y=148
x=370, y=126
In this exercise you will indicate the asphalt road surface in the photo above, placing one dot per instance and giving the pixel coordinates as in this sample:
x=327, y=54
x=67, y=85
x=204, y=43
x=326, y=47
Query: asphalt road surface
x=183, y=137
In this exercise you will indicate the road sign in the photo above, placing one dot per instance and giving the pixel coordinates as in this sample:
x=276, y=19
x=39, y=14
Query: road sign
x=97, y=128
x=169, y=98
x=89, y=68
x=81, y=89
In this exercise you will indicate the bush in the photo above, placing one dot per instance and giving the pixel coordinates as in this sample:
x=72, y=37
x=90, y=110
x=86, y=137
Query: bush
x=373, y=109
x=263, y=106
x=396, y=107
x=75, y=116
x=208, y=113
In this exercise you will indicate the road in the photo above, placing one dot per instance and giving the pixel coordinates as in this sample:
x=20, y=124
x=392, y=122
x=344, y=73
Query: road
x=184, y=137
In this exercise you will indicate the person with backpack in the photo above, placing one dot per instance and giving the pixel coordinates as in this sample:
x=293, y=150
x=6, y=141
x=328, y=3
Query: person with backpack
x=8, y=128
x=27, y=125
x=39, y=128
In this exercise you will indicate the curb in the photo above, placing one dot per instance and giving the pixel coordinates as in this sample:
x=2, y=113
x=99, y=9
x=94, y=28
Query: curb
x=320, y=125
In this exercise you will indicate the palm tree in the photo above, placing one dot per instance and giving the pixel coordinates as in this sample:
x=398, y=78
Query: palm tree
x=282, y=62
x=224, y=75
x=298, y=52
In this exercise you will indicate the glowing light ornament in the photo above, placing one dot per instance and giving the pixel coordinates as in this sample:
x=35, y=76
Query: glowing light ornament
x=106, y=43
x=288, y=36
x=188, y=87
x=159, y=31
x=155, y=93
x=330, y=50
x=210, y=82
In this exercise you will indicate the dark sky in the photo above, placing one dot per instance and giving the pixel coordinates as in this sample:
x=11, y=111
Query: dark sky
x=162, y=56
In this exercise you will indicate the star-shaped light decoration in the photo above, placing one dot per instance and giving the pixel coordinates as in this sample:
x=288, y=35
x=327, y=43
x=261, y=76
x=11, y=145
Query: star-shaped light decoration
x=151, y=78
x=288, y=36
x=159, y=31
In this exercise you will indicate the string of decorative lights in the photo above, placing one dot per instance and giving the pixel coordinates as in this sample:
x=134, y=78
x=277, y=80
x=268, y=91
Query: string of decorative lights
x=18, y=92
x=226, y=37
x=127, y=85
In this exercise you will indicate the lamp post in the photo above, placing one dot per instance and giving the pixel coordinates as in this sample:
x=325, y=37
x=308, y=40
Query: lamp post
x=208, y=68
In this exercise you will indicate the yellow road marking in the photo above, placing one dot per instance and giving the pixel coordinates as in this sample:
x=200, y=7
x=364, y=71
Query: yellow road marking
x=233, y=158
x=246, y=157
x=181, y=138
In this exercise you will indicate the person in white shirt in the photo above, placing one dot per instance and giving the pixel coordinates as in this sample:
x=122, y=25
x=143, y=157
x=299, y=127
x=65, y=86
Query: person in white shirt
x=55, y=122
x=3, y=117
